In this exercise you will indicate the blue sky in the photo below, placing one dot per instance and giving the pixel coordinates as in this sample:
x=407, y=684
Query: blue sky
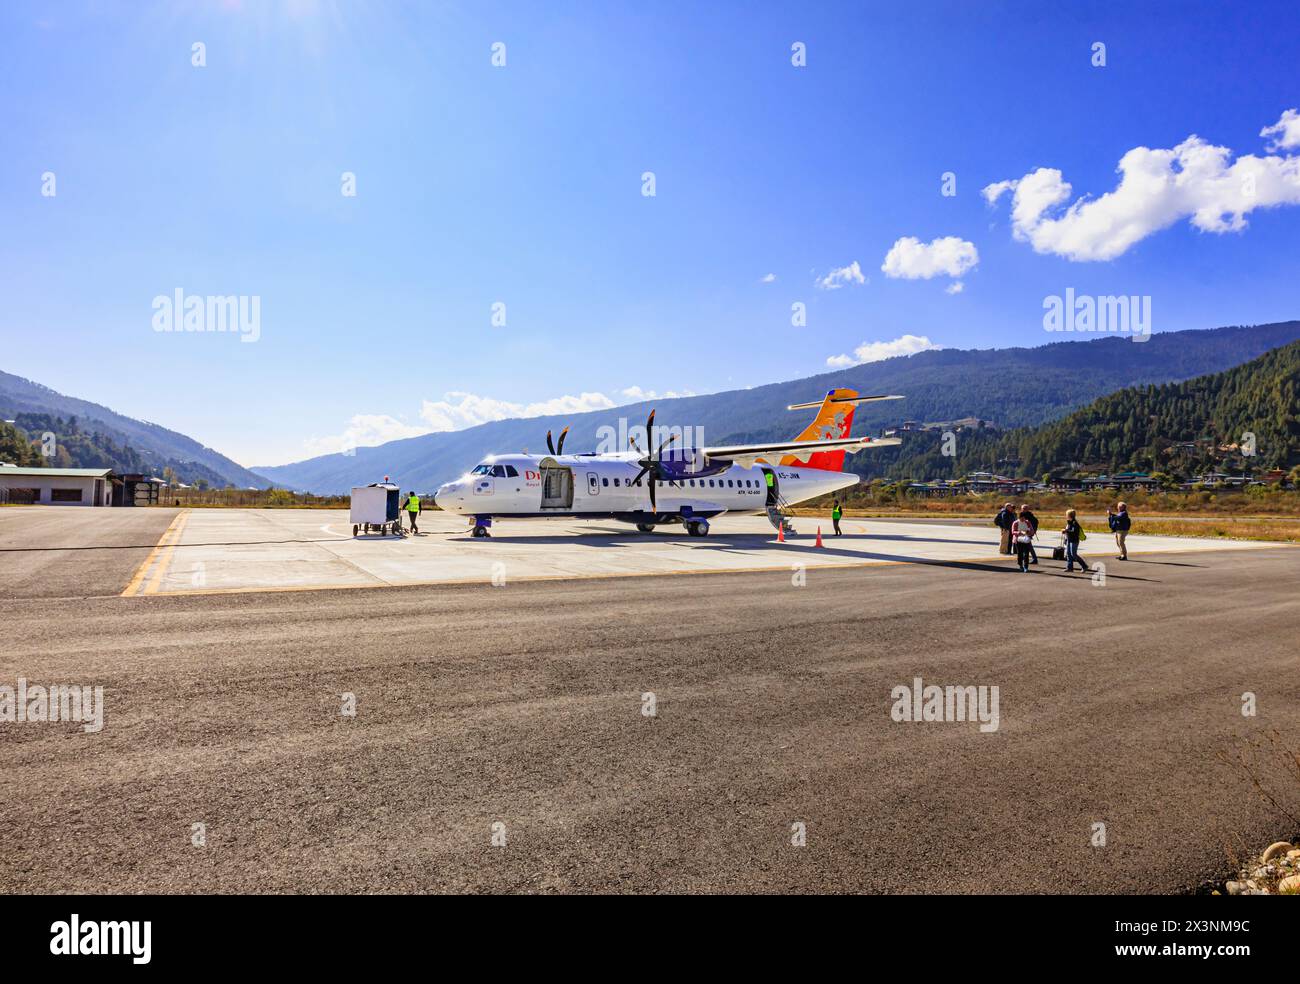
x=522, y=185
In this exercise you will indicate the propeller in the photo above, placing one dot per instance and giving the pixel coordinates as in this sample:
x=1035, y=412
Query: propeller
x=652, y=466
x=554, y=448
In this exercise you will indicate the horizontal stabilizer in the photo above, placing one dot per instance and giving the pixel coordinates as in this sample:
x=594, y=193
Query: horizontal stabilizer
x=855, y=400
x=747, y=454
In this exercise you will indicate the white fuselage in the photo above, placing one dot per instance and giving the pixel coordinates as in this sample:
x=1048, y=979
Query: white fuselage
x=601, y=485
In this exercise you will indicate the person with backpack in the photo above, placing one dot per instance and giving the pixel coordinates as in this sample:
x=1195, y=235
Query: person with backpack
x=1120, y=523
x=1072, y=534
x=1003, y=521
x=1022, y=535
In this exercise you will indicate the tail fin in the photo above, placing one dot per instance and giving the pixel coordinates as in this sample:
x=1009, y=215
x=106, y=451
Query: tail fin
x=834, y=419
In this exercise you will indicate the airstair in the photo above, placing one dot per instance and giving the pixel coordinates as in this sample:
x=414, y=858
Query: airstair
x=778, y=514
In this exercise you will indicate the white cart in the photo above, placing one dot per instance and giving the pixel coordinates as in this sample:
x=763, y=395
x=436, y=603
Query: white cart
x=376, y=509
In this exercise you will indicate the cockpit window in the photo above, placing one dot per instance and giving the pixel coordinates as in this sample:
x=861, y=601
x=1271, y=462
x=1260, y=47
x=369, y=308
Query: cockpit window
x=482, y=470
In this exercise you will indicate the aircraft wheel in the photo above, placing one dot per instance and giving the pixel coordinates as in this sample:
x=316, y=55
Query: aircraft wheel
x=355, y=529
x=695, y=529
x=480, y=531
x=646, y=527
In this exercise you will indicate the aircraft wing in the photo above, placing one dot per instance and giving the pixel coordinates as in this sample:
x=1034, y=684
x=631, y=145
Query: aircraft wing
x=747, y=454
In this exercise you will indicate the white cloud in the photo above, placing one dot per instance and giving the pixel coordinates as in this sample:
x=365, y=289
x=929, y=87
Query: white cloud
x=837, y=278
x=635, y=394
x=875, y=351
x=363, y=430
x=457, y=410
x=956, y=287
x=769, y=278
x=1157, y=188
x=911, y=259
x=1286, y=129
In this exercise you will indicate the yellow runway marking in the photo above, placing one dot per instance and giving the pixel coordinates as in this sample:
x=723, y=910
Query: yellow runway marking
x=133, y=586
x=164, y=561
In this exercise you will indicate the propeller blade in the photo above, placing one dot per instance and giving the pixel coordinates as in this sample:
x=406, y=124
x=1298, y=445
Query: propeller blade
x=653, y=506
x=671, y=438
x=559, y=448
x=631, y=441
x=644, y=469
x=550, y=445
x=649, y=430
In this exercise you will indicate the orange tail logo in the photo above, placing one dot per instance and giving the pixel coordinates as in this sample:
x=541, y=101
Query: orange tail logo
x=833, y=420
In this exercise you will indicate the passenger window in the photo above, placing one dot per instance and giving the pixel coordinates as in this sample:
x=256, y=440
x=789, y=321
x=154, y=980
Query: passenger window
x=616, y=483
x=605, y=482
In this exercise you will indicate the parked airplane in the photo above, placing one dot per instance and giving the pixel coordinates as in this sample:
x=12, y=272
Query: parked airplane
x=671, y=485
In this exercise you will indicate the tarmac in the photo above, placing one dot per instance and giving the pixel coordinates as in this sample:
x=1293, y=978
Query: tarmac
x=725, y=732
x=252, y=550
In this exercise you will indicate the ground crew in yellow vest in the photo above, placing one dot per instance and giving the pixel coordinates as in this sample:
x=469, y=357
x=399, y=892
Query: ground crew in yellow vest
x=413, y=510
x=836, y=513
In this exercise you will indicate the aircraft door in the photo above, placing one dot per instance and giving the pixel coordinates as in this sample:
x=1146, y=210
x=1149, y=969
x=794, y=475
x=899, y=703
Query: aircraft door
x=557, y=488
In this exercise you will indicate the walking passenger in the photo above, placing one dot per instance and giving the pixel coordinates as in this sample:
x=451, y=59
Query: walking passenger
x=1033, y=522
x=1073, y=533
x=1022, y=535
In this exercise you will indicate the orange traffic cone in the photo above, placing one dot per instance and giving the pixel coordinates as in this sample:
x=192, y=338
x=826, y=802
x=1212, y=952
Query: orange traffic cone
x=819, y=538
x=780, y=533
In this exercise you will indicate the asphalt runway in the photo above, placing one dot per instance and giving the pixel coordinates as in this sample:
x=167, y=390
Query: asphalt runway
x=517, y=713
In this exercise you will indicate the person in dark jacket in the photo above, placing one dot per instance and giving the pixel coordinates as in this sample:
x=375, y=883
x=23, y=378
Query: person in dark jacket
x=1072, y=533
x=1033, y=523
x=1120, y=523
x=1003, y=521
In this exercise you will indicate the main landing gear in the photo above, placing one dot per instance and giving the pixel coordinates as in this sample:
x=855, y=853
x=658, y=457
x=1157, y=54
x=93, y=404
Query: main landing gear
x=697, y=527
x=646, y=527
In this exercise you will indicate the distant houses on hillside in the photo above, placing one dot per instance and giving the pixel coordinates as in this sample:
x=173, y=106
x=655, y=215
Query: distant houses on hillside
x=982, y=483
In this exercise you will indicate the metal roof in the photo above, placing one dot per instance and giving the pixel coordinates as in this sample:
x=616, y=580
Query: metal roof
x=55, y=472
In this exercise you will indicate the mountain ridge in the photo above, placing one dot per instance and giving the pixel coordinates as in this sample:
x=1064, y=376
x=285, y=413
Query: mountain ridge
x=21, y=397
x=1014, y=387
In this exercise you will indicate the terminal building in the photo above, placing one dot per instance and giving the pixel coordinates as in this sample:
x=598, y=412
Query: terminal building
x=75, y=487
x=56, y=486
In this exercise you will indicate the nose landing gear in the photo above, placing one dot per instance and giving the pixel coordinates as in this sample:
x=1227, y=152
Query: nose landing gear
x=481, y=526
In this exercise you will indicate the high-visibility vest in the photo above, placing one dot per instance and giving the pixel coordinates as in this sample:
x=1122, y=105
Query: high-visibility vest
x=836, y=513
x=771, y=480
x=413, y=503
